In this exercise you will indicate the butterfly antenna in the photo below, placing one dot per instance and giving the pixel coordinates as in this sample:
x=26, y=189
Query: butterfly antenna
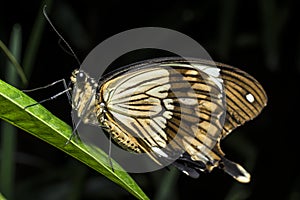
x=59, y=35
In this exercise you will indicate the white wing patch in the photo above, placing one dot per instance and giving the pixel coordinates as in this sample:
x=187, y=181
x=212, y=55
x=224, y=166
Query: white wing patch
x=159, y=152
x=138, y=100
x=212, y=71
x=159, y=92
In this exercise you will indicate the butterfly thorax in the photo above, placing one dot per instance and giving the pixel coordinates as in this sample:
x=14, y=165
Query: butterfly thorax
x=83, y=97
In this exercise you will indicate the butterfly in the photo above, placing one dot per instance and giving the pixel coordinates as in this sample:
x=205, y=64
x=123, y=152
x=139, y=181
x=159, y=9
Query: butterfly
x=172, y=108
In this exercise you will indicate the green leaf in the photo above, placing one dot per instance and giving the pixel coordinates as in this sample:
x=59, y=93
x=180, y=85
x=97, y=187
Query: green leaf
x=39, y=122
x=2, y=197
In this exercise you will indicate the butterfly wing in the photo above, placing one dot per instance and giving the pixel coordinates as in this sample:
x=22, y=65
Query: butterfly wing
x=166, y=106
x=171, y=106
x=245, y=97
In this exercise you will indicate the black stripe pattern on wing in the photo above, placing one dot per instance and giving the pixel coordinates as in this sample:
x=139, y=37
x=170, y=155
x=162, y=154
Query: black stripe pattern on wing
x=178, y=106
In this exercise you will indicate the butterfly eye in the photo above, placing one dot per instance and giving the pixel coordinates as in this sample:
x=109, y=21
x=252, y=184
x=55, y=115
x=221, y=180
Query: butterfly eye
x=81, y=76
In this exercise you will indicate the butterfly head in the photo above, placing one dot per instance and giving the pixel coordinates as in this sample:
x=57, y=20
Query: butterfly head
x=80, y=76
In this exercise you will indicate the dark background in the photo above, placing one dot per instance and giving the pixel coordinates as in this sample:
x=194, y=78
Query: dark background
x=260, y=37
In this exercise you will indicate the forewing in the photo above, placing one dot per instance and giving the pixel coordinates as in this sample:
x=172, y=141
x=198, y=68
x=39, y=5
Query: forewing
x=167, y=105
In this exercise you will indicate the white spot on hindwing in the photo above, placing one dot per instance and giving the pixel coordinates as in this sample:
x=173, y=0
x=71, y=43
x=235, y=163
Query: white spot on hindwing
x=250, y=98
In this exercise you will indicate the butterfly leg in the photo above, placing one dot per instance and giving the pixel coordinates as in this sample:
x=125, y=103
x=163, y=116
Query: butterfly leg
x=66, y=90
